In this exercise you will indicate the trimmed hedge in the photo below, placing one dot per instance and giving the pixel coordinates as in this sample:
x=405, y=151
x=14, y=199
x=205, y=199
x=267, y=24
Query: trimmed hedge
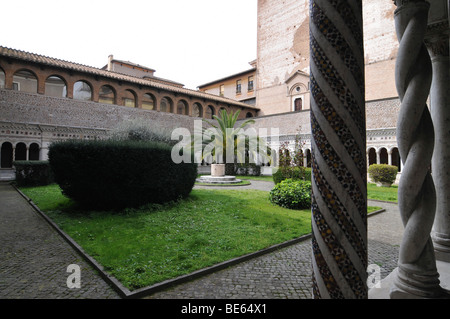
x=292, y=194
x=247, y=169
x=33, y=173
x=383, y=173
x=117, y=174
x=298, y=173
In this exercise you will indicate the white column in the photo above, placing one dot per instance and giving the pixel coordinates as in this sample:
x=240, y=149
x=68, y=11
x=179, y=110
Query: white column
x=417, y=275
x=437, y=42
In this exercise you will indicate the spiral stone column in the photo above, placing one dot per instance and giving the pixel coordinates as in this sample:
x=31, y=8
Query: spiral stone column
x=417, y=275
x=339, y=167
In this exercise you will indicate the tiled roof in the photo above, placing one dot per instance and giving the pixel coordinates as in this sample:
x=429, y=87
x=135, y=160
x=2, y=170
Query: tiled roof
x=40, y=59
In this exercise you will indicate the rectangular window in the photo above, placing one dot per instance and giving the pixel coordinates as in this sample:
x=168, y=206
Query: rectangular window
x=16, y=86
x=238, y=86
x=222, y=90
x=250, y=83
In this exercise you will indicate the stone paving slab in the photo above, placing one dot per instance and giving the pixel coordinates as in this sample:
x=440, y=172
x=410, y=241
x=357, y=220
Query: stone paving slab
x=34, y=257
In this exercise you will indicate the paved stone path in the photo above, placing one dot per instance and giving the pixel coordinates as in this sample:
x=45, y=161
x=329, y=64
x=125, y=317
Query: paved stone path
x=34, y=261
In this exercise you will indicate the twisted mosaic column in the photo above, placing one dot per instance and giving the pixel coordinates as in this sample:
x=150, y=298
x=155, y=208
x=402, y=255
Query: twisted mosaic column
x=417, y=274
x=339, y=182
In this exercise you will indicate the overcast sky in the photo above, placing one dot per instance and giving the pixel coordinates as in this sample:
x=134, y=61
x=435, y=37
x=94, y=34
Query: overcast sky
x=187, y=41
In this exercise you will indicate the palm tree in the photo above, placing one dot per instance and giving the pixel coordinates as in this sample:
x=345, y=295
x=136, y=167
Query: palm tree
x=222, y=136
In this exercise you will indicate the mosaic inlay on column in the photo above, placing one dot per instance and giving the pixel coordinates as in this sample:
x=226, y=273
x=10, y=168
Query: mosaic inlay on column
x=339, y=201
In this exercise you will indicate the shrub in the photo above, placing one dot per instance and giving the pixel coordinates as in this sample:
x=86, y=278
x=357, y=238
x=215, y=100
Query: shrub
x=247, y=169
x=140, y=130
x=296, y=173
x=292, y=194
x=117, y=174
x=33, y=173
x=383, y=173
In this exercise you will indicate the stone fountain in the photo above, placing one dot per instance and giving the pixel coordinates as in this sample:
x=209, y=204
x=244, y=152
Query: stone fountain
x=218, y=176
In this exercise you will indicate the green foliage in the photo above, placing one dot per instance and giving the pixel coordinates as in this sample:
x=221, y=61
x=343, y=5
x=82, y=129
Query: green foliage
x=139, y=130
x=290, y=163
x=383, y=173
x=222, y=136
x=292, y=172
x=292, y=194
x=248, y=169
x=33, y=173
x=116, y=174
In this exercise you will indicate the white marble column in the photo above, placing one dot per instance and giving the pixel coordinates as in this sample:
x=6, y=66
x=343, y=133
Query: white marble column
x=417, y=275
x=338, y=149
x=437, y=42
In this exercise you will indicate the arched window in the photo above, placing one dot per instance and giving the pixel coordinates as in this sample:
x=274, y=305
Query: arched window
x=182, y=107
x=82, y=91
x=25, y=81
x=21, y=152
x=107, y=95
x=210, y=112
x=197, y=110
x=148, y=102
x=129, y=98
x=55, y=86
x=34, y=152
x=2, y=79
x=166, y=105
x=6, y=155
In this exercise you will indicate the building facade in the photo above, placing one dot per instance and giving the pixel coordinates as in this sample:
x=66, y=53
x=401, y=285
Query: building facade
x=45, y=99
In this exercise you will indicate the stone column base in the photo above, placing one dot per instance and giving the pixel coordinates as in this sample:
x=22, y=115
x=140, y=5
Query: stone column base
x=441, y=245
x=387, y=289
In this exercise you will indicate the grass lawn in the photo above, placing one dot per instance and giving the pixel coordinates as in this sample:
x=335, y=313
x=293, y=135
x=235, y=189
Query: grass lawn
x=144, y=246
x=389, y=194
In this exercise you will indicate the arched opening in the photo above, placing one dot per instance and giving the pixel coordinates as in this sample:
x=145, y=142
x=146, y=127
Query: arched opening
x=2, y=79
x=55, y=87
x=6, y=155
x=148, y=101
x=25, y=81
x=210, y=112
x=308, y=157
x=21, y=152
x=197, y=110
x=166, y=105
x=34, y=152
x=182, y=107
x=384, y=158
x=107, y=95
x=372, y=156
x=129, y=99
x=248, y=115
x=396, y=161
x=82, y=91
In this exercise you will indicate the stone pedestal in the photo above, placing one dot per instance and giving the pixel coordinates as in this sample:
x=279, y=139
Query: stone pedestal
x=217, y=169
